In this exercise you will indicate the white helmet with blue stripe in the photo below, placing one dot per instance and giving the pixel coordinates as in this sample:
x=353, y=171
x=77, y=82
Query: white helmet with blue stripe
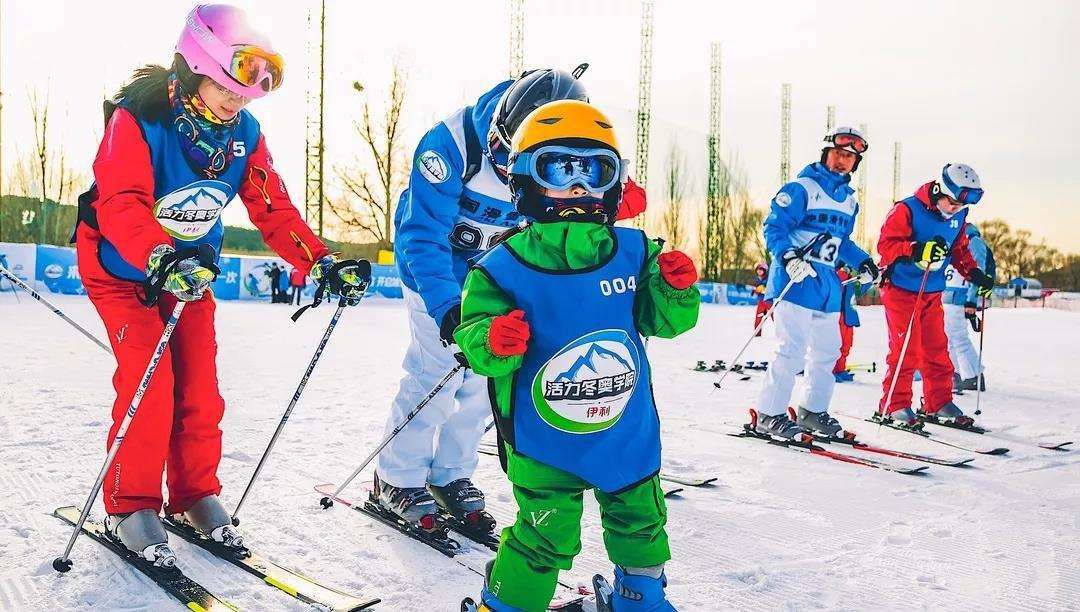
x=961, y=183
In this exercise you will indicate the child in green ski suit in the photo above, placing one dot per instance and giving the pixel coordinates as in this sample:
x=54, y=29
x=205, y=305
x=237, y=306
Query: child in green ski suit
x=554, y=315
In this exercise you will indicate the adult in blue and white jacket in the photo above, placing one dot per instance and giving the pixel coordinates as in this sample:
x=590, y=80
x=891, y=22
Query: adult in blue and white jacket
x=456, y=206
x=961, y=303
x=807, y=233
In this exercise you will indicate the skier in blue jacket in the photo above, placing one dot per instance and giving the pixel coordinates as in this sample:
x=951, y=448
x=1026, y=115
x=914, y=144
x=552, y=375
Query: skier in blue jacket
x=961, y=304
x=456, y=206
x=808, y=233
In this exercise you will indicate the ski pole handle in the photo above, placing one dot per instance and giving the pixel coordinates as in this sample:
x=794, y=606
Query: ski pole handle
x=63, y=563
x=15, y=280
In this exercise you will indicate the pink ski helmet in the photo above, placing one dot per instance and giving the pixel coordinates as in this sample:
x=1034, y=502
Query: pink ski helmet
x=217, y=42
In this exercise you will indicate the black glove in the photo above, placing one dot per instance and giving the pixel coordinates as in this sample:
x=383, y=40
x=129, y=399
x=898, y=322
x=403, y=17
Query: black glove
x=868, y=272
x=971, y=314
x=450, y=322
x=926, y=254
x=345, y=278
x=983, y=281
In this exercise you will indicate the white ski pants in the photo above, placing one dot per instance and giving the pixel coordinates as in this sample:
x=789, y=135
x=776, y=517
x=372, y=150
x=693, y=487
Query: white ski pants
x=965, y=358
x=810, y=343
x=439, y=445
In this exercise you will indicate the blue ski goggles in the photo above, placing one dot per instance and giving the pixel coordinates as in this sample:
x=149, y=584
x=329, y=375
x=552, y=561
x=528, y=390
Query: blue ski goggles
x=559, y=168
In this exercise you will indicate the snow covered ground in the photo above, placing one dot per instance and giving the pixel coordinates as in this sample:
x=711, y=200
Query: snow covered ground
x=781, y=530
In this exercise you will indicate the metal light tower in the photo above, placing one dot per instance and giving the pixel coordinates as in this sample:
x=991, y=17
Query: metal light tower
x=830, y=118
x=785, y=133
x=644, y=102
x=896, y=171
x=517, y=38
x=314, y=194
x=713, y=227
x=860, y=223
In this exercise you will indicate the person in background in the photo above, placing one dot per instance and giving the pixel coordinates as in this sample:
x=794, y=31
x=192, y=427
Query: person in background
x=962, y=303
x=274, y=272
x=761, y=279
x=298, y=281
x=849, y=320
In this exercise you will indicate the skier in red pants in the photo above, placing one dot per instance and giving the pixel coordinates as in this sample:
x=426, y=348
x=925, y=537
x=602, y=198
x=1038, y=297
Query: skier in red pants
x=849, y=320
x=178, y=146
x=921, y=235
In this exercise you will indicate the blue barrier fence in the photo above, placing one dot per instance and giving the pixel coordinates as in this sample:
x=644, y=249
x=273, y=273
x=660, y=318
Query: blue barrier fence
x=244, y=277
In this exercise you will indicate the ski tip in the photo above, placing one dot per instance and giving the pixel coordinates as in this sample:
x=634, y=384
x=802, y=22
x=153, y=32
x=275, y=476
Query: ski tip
x=1060, y=446
x=673, y=492
x=994, y=451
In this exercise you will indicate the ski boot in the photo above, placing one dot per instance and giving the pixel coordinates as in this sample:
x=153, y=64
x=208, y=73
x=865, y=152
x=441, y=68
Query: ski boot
x=463, y=501
x=975, y=383
x=142, y=533
x=411, y=504
x=843, y=377
x=817, y=423
x=701, y=367
x=903, y=418
x=717, y=366
x=636, y=589
x=949, y=414
x=210, y=518
x=779, y=427
x=957, y=384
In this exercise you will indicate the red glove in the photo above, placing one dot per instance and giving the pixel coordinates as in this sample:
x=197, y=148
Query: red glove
x=633, y=201
x=508, y=334
x=677, y=269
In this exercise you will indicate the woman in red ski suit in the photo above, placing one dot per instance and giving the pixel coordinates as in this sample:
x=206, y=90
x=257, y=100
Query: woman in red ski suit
x=177, y=147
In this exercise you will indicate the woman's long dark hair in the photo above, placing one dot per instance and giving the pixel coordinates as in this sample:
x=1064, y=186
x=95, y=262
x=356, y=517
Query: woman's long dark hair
x=147, y=93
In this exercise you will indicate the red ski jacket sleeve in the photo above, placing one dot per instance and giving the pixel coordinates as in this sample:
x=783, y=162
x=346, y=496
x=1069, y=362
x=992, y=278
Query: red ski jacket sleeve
x=124, y=176
x=895, y=240
x=271, y=210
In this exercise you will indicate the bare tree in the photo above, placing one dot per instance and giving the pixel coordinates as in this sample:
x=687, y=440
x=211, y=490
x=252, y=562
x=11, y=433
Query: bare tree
x=366, y=207
x=676, y=184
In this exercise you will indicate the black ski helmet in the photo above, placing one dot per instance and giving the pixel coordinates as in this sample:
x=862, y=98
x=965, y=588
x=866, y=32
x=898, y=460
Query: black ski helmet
x=529, y=92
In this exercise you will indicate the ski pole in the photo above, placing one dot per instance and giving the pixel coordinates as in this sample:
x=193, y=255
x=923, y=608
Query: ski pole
x=292, y=404
x=978, y=371
x=15, y=280
x=904, y=347
x=326, y=502
x=780, y=298
x=63, y=563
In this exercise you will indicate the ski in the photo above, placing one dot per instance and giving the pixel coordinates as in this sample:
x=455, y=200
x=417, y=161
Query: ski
x=862, y=367
x=927, y=436
x=976, y=429
x=488, y=448
x=172, y=580
x=569, y=599
x=850, y=440
x=444, y=544
x=690, y=482
x=720, y=366
x=299, y=586
x=814, y=449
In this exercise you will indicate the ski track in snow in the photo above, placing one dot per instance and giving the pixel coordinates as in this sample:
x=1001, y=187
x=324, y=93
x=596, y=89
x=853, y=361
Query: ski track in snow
x=779, y=530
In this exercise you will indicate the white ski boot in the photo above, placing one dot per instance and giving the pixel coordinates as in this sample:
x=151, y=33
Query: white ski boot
x=410, y=504
x=777, y=426
x=143, y=534
x=211, y=519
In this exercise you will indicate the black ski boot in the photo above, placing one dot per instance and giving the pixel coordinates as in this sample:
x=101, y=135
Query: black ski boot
x=411, y=504
x=972, y=384
x=950, y=415
x=779, y=427
x=817, y=423
x=463, y=501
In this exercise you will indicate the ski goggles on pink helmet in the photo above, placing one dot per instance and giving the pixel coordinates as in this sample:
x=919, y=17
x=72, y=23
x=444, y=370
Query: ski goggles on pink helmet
x=249, y=69
x=559, y=167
